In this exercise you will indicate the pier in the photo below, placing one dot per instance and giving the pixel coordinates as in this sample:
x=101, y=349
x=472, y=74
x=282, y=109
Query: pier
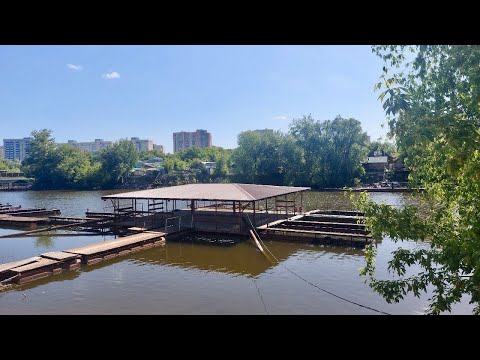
x=17, y=216
x=51, y=263
x=320, y=226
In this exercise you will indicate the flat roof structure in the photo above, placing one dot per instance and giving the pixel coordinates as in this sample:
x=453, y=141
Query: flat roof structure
x=211, y=192
x=207, y=207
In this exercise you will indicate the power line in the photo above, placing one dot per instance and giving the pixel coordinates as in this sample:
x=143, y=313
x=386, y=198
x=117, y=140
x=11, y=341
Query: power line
x=308, y=282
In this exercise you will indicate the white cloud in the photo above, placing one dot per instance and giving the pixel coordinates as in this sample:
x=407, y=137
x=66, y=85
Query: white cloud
x=280, y=117
x=111, y=75
x=74, y=67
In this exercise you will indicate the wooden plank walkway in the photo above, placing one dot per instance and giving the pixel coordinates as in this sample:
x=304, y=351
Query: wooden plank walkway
x=54, y=262
x=325, y=233
x=110, y=245
x=327, y=223
x=58, y=255
x=42, y=262
x=22, y=219
x=13, y=264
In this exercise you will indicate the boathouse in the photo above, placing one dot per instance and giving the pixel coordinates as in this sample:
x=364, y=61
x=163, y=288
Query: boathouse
x=220, y=208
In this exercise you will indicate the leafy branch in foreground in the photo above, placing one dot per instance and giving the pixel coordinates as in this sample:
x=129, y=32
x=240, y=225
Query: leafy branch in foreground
x=431, y=97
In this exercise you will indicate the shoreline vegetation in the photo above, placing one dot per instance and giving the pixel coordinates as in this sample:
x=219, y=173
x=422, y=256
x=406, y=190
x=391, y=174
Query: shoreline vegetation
x=322, y=155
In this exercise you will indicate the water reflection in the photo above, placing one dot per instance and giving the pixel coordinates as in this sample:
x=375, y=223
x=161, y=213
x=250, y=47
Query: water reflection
x=241, y=259
x=44, y=241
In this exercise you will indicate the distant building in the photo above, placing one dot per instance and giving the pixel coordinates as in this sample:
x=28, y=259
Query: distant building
x=210, y=166
x=16, y=149
x=183, y=140
x=264, y=131
x=142, y=145
x=377, y=166
x=380, y=166
x=158, y=147
x=2, y=153
x=90, y=146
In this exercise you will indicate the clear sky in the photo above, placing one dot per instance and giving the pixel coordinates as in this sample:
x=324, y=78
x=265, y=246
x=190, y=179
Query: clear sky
x=113, y=92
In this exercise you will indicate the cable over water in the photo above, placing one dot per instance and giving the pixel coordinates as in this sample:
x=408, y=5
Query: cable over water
x=305, y=280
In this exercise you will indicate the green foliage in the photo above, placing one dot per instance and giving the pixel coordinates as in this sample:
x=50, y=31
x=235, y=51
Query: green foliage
x=222, y=166
x=333, y=150
x=145, y=155
x=42, y=159
x=314, y=153
x=74, y=169
x=385, y=146
x=264, y=158
x=173, y=163
x=117, y=161
x=10, y=166
x=65, y=167
x=430, y=94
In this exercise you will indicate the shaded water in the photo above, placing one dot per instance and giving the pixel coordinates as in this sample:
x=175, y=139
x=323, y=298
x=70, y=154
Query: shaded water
x=190, y=278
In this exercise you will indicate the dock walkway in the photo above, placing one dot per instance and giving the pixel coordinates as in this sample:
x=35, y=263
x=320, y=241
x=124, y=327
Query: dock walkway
x=57, y=261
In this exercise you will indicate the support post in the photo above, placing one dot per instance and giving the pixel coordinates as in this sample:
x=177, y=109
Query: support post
x=192, y=209
x=301, y=202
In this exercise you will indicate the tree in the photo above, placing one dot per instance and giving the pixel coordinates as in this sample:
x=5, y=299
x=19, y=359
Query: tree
x=42, y=159
x=145, y=155
x=260, y=158
x=333, y=150
x=74, y=169
x=10, y=166
x=58, y=166
x=173, y=163
x=431, y=97
x=383, y=146
x=221, y=167
x=117, y=161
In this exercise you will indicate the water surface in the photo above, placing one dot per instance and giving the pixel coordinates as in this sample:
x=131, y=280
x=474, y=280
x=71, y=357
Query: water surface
x=190, y=278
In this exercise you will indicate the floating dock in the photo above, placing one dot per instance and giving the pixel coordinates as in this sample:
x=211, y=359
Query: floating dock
x=51, y=263
x=25, y=217
x=22, y=221
x=327, y=226
x=110, y=249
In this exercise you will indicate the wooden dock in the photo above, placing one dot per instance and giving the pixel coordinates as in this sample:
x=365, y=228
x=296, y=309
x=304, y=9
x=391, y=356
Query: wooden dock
x=30, y=218
x=55, y=262
x=22, y=221
x=320, y=226
x=112, y=248
x=37, y=267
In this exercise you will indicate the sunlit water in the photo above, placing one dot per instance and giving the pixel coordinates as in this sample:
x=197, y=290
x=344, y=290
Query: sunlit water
x=190, y=278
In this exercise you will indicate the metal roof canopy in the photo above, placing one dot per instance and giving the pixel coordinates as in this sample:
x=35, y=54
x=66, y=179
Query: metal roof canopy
x=211, y=192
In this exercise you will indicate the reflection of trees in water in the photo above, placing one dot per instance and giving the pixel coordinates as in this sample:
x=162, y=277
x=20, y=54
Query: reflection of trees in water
x=242, y=258
x=44, y=241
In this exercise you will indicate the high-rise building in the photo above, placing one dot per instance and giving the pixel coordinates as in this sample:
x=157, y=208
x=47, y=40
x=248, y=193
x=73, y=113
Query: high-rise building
x=2, y=153
x=16, y=149
x=142, y=145
x=90, y=146
x=183, y=140
x=158, y=147
x=264, y=131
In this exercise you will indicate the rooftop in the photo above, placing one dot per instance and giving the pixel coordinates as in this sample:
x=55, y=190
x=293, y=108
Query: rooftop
x=214, y=192
x=377, y=159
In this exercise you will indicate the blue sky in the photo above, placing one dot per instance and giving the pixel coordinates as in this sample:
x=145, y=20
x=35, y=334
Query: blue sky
x=113, y=92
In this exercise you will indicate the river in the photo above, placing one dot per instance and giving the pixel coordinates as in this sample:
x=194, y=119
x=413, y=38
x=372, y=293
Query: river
x=190, y=278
